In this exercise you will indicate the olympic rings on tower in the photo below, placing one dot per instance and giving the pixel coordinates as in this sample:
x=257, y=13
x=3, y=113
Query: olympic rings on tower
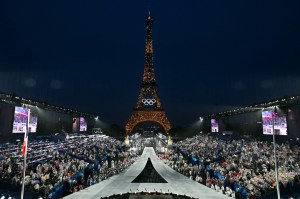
x=148, y=102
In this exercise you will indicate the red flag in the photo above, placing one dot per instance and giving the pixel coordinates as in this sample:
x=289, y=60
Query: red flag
x=24, y=148
x=273, y=114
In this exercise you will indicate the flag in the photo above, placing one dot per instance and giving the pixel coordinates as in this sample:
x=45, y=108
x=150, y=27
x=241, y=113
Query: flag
x=273, y=114
x=24, y=148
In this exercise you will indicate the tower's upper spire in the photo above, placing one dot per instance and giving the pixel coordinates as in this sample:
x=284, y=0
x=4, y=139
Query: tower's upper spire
x=148, y=75
x=149, y=14
x=149, y=22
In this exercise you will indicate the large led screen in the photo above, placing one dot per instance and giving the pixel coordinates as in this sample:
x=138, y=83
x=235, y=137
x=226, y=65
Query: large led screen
x=32, y=123
x=75, y=126
x=83, y=124
x=214, y=125
x=280, y=123
x=21, y=119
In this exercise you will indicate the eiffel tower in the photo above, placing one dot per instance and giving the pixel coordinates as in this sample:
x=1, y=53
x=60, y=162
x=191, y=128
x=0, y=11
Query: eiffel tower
x=148, y=107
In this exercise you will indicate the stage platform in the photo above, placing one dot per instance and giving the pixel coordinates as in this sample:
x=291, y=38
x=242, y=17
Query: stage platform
x=122, y=183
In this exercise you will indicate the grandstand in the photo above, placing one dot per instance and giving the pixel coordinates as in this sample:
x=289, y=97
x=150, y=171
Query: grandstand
x=84, y=163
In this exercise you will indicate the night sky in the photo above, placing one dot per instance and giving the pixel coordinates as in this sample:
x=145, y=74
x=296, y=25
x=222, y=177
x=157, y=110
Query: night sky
x=209, y=55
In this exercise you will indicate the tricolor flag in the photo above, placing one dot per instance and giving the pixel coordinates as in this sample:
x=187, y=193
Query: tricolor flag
x=273, y=114
x=24, y=148
x=25, y=143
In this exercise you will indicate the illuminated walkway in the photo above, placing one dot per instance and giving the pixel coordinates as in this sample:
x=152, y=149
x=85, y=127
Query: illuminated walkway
x=121, y=183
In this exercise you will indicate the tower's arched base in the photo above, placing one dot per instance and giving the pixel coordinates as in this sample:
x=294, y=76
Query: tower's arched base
x=139, y=116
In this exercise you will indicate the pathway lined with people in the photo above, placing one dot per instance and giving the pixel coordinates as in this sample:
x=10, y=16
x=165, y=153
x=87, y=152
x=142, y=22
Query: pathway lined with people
x=121, y=183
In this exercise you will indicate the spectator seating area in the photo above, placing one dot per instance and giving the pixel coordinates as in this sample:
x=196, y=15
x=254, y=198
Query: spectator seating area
x=238, y=168
x=56, y=169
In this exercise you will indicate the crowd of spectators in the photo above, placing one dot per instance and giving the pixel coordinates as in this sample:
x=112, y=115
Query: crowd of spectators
x=238, y=168
x=60, y=168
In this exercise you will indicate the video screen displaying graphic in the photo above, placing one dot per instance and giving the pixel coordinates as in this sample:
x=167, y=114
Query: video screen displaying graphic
x=214, y=125
x=32, y=123
x=76, y=124
x=21, y=119
x=83, y=124
x=280, y=123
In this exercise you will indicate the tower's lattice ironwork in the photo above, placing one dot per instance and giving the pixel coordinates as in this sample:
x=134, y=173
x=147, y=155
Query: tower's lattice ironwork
x=148, y=107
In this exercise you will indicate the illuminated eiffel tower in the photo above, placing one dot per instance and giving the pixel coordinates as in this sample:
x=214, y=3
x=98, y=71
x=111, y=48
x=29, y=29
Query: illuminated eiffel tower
x=148, y=107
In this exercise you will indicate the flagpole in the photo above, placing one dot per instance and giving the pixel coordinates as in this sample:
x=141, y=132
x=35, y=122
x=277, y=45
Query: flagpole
x=25, y=152
x=274, y=143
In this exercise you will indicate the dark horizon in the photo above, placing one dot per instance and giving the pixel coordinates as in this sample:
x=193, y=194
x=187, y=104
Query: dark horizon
x=209, y=56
